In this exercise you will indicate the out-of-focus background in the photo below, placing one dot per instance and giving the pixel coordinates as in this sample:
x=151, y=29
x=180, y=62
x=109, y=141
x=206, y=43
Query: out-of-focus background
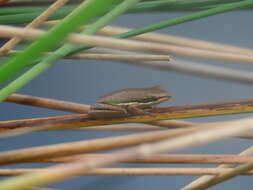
x=85, y=81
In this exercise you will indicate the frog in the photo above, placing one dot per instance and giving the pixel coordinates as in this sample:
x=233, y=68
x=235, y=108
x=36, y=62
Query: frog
x=128, y=102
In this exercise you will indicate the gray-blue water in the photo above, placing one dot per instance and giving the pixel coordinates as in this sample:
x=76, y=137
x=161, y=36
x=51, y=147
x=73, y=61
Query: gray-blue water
x=85, y=81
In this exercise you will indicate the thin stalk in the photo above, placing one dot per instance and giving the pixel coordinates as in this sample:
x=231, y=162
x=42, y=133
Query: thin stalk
x=132, y=171
x=111, y=56
x=85, y=146
x=161, y=113
x=48, y=103
x=160, y=159
x=225, y=175
x=128, y=128
x=206, y=180
x=191, y=68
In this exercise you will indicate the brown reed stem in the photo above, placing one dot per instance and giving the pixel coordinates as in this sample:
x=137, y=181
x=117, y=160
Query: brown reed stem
x=67, y=149
x=48, y=103
x=122, y=127
x=172, y=112
x=82, y=108
x=132, y=171
x=111, y=56
x=160, y=159
x=78, y=108
x=207, y=180
x=226, y=175
x=171, y=124
x=40, y=188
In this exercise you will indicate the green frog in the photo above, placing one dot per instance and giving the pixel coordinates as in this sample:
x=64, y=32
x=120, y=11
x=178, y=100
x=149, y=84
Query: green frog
x=128, y=102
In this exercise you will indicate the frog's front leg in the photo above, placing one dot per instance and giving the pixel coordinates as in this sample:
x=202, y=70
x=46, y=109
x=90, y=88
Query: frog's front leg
x=103, y=111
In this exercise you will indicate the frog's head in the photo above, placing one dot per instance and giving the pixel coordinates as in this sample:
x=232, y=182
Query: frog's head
x=157, y=94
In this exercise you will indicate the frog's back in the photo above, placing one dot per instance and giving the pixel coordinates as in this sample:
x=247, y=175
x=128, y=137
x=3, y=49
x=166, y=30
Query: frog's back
x=131, y=94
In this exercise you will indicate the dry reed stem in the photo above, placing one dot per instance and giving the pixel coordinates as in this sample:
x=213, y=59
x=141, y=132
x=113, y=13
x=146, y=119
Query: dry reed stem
x=83, y=108
x=176, y=40
x=198, y=69
x=211, y=132
x=160, y=159
x=40, y=188
x=132, y=171
x=120, y=57
x=112, y=57
x=155, y=125
x=226, y=175
x=172, y=112
x=67, y=149
x=38, y=122
x=10, y=31
x=48, y=103
x=206, y=180
x=79, y=108
x=45, y=126
x=36, y=22
x=123, y=127
x=191, y=68
x=172, y=124
x=169, y=39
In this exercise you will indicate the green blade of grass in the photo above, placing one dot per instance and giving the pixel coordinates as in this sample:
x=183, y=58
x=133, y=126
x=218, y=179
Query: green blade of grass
x=86, y=11
x=29, y=16
x=12, y=15
x=61, y=52
x=165, y=5
x=187, y=18
x=178, y=20
x=18, y=10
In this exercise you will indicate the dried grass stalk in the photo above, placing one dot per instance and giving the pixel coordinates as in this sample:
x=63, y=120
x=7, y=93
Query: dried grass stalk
x=8, y=31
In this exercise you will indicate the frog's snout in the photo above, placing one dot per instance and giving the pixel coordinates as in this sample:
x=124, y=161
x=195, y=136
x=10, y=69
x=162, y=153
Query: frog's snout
x=164, y=99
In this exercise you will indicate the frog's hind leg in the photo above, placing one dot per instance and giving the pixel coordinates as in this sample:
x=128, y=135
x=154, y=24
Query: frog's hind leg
x=134, y=110
x=102, y=111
